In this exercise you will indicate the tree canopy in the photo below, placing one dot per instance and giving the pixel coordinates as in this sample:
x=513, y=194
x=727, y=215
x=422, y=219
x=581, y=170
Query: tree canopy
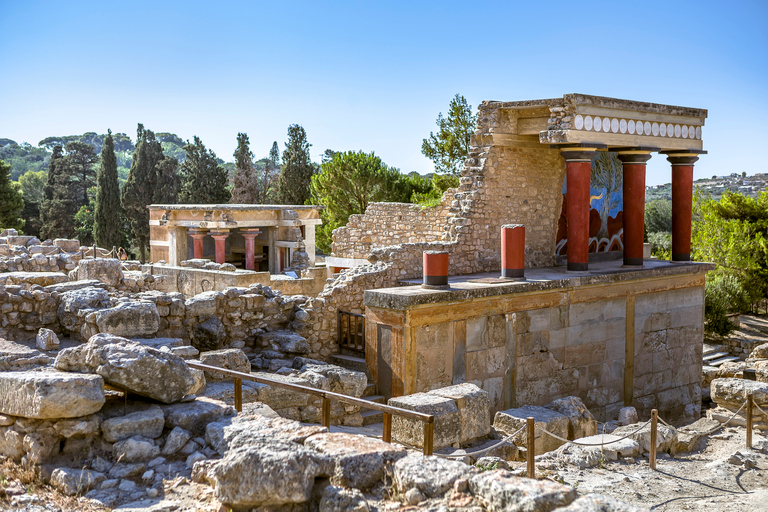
x=204, y=180
x=448, y=148
x=245, y=187
x=11, y=202
x=59, y=207
x=106, y=208
x=297, y=170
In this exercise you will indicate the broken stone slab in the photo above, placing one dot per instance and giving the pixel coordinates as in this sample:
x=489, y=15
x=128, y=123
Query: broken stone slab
x=581, y=422
x=627, y=416
x=75, y=481
x=175, y=441
x=359, y=461
x=131, y=366
x=39, y=278
x=72, y=302
x=734, y=392
x=281, y=398
x=475, y=408
x=148, y=424
x=46, y=340
x=501, y=490
x=603, y=448
x=75, y=285
x=196, y=415
x=340, y=379
x=688, y=435
x=287, y=342
x=107, y=270
x=67, y=244
x=129, y=319
x=84, y=426
x=159, y=343
x=203, y=305
x=229, y=358
x=225, y=391
x=135, y=449
x=600, y=503
x=22, y=240
x=666, y=438
x=230, y=433
x=209, y=335
x=50, y=394
x=337, y=499
x=431, y=475
x=268, y=472
x=447, y=426
x=759, y=352
x=15, y=357
x=511, y=420
x=11, y=443
x=185, y=352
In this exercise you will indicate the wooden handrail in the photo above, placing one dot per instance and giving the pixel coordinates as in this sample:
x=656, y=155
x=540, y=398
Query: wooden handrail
x=427, y=419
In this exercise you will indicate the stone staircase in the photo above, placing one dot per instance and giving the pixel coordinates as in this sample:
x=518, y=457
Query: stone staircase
x=357, y=363
x=715, y=355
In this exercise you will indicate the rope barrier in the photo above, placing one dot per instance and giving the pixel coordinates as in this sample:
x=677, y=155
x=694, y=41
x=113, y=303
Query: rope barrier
x=712, y=431
x=641, y=427
x=484, y=450
x=760, y=409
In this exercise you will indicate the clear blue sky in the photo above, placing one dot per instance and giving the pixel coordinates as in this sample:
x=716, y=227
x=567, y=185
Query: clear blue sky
x=373, y=76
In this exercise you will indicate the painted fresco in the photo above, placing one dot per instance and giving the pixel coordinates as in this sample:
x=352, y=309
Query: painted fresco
x=606, y=207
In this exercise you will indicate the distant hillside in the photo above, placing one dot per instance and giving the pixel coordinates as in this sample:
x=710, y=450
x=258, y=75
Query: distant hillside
x=715, y=186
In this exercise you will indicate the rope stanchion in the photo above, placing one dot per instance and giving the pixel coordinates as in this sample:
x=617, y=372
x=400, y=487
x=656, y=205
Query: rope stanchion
x=531, y=447
x=712, y=431
x=641, y=427
x=654, y=425
x=750, y=400
x=762, y=411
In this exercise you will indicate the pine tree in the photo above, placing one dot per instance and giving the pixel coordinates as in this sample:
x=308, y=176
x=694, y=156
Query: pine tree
x=293, y=185
x=58, y=209
x=106, y=223
x=140, y=187
x=80, y=158
x=11, y=202
x=204, y=180
x=245, y=184
x=274, y=156
x=450, y=146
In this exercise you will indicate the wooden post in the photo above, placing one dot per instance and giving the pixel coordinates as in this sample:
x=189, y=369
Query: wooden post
x=429, y=430
x=531, y=447
x=326, y=416
x=387, y=428
x=239, y=395
x=750, y=402
x=654, y=424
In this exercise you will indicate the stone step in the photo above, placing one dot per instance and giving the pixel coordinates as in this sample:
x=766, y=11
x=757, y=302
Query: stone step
x=370, y=390
x=722, y=360
x=371, y=417
x=379, y=399
x=714, y=355
x=350, y=362
x=710, y=349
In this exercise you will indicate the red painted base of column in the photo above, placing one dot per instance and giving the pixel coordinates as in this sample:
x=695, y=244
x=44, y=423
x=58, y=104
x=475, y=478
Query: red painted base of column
x=682, y=206
x=512, y=250
x=220, y=240
x=435, y=269
x=197, y=242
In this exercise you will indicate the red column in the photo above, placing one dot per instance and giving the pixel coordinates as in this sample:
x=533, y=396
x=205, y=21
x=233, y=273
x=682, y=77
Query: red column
x=512, y=250
x=250, y=247
x=682, y=202
x=220, y=239
x=197, y=237
x=578, y=165
x=435, y=269
x=633, y=189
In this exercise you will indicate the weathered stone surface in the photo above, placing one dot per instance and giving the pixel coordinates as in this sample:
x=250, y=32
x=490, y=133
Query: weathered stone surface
x=447, y=427
x=74, y=301
x=340, y=380
x=501, y=491
x=208, y=335
x=280, y=398
x=600, y=503
x=46, y=340
x=15, y=357
x=269, y=472
x=11, y=444
x=260, y=409
x=202, y=305
x=359, y=461
x=339, y=499
x=129, y=319
x=107, y=270
x=230, y=433
x=40, y=278
x=580, y=420
x=590, y=456
x=627, y=416
x=194, y=416
x=135, y=449
x=666, y=438
x=75, y=481
x=229, y=358
x=688, y=435
x=474, y=406
x=199, y=378
x=759, y=352
x=67, y=244
x=175, y=440
x=511, y=420
x=432, y=476
x=139, y=369
x=78, y=426
x=490, y=463
x=50, y=394
x=39, y=446
x=734, y=392
x=287, y=342
x=225, y=391
x=147, y=424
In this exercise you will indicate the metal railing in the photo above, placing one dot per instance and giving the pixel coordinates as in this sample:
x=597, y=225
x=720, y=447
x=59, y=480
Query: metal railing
x=350, y=331
x=327, y=396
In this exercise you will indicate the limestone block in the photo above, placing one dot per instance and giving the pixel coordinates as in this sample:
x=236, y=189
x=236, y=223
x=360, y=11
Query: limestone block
x=129, y=319
x=759, y=352
x=666, y=438
x=281, y=398
x=474, y=406
x=194, y=416
x=208, y=335
x=433, y=476
x=447, y=426
x=590, y=456
x=46, y=340
x=39, y=278
x=75, y=481
x=581, y=422
x=135, y=449
x=176, y=439
x=287, y=342
x=50, y=394
x=67, y=245
x=74, y=301
x=359, y=462
x=734, y=392
x=11, y=444
x=340, y=379
x=107, y=270
x=600, y=503
x=15, y=357
x=203, y=304
x=500, y=490
x=148, y=424
x=22, y=240
x=137, y=368
x=230, y=359
x=511, y=420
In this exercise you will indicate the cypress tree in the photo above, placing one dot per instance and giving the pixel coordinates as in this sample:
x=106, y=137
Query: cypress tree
x=168, y=181
x=58, y=209
x=106, y=222
x=11, y=202
x=205, y=181
x=245, y=189
x=293, y=185
x=80, y=158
